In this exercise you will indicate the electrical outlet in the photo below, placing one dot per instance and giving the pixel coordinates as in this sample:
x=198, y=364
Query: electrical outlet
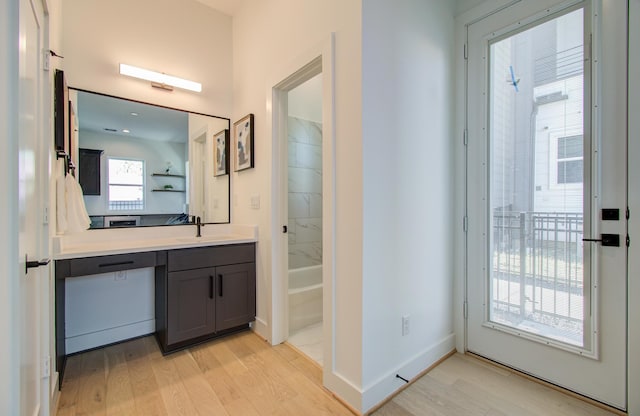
x=405, y=325
x=121, y=275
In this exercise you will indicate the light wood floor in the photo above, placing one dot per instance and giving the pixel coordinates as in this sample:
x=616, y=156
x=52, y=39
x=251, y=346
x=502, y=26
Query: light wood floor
x=463, y=385
x=237, y=375
x=242, y=375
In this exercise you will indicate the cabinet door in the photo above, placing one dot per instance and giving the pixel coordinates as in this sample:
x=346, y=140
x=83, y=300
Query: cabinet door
x=89, y=171
x=190, y=304
x=235, y=295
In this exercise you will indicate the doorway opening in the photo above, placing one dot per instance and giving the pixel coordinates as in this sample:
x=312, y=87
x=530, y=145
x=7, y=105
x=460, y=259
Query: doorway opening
x=304, y=219
x=545, y=295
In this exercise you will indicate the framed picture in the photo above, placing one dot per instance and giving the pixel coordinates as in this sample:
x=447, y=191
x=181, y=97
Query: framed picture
x=243, y=143
x=221, y=153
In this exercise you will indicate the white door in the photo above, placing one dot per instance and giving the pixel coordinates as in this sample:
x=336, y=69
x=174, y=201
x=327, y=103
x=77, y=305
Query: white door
x=546, y=90
x=29, y=202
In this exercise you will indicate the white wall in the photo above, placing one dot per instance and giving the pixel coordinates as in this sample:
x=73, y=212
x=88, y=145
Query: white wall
x=155, y=156
x=9, y=352
x=178, y=37
x=267, y=38
x=408, y=197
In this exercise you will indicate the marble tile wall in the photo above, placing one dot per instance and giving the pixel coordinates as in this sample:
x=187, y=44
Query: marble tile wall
x=305, y=193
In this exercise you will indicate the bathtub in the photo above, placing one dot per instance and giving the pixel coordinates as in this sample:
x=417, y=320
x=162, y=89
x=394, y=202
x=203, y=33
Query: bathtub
x=305, y=297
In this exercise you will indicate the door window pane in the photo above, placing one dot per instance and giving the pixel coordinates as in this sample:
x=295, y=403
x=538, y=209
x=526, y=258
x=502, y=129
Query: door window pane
x=536, y=99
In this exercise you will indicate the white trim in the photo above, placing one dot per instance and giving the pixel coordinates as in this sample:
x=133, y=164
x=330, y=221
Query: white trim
x=388, y=384
x=10, y=356
x=633, y=270
x=318, y=59
x=261, y=328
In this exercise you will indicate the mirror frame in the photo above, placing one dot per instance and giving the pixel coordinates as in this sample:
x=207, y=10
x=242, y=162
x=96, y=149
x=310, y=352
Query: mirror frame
x=228, y=120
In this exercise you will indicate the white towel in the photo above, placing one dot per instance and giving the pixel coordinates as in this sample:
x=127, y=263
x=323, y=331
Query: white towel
x=61, y=205
x=77, y=217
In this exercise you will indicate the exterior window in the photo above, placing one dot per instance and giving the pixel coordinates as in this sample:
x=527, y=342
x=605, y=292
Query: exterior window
x=567, y=160
x=126, y=184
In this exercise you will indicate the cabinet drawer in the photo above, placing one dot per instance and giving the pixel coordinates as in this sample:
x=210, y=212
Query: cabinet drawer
x=195, y=258
x=105, y=264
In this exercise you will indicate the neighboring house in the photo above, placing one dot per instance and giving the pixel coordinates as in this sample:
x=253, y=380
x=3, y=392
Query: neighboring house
x=555, y=71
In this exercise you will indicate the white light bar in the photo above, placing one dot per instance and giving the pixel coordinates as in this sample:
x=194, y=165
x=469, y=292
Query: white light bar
x=158, y=78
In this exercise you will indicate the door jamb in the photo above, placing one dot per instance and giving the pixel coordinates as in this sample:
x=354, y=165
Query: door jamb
x=319, y=59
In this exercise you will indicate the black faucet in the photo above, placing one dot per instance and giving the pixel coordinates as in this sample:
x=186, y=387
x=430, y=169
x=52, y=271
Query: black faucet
x=199, y=224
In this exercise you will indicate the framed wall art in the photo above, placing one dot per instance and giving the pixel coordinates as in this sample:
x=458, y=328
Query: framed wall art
x=243, y=143
x=221, y=153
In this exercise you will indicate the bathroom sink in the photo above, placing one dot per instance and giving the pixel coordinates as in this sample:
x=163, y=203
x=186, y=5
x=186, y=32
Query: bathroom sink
x=203, y=239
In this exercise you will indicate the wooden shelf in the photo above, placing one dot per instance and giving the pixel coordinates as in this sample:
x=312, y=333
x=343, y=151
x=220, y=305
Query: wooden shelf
x=167, y=190
x=167, y=175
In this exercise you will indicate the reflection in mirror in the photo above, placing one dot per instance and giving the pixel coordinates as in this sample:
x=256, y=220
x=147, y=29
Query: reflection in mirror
x=141, y=164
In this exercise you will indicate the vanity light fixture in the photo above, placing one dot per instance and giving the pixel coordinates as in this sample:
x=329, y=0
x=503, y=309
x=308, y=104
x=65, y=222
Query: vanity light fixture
x=159, y=80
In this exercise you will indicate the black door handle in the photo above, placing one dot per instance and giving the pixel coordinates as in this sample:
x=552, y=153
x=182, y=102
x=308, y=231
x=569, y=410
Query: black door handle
x=33, y=263
x=210, y=287
x=608, y=240
x=220, y=285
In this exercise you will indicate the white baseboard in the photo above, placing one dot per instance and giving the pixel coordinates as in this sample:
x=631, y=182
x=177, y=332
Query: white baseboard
x=109, y=336
x=55, y=393
x=260, y=326
x=389, y=384
x=343, y=389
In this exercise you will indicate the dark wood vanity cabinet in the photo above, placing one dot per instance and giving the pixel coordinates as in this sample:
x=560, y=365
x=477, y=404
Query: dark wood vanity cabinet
x=235, y=295
x=190, y=304
x=200, y=293
x=204, y=293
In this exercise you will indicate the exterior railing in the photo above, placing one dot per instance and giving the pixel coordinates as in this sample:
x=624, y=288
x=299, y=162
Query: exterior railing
x=538, y=265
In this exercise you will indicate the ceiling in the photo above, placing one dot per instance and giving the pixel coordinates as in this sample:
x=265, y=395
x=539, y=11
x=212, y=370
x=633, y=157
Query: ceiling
x=228, y=7
x=98, y=113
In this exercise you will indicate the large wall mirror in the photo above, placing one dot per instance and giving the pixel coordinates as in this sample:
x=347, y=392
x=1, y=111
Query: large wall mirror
x=145, y=165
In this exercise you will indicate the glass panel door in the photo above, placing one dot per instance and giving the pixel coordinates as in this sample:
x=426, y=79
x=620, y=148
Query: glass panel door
x=537, y=182
x=546, y=152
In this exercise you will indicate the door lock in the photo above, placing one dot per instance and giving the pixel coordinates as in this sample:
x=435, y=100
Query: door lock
x=608, y=240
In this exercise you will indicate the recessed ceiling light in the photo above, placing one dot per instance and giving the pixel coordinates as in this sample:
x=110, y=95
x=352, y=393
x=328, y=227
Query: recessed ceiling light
x=125, y=131
x=134, y=114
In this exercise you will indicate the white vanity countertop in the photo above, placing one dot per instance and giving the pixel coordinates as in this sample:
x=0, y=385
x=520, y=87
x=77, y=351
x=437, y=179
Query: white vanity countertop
x=106, y=242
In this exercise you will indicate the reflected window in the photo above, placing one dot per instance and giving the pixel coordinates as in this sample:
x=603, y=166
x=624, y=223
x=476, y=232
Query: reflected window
x=126, y=184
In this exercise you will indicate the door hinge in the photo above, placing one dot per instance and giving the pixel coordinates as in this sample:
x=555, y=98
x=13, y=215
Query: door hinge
x=465, y=309
x=628, y=240
x=46, y=366
x=465, y=223
x=46, y=59
x=466, y=53
x=627, y=213
x=465, y=137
